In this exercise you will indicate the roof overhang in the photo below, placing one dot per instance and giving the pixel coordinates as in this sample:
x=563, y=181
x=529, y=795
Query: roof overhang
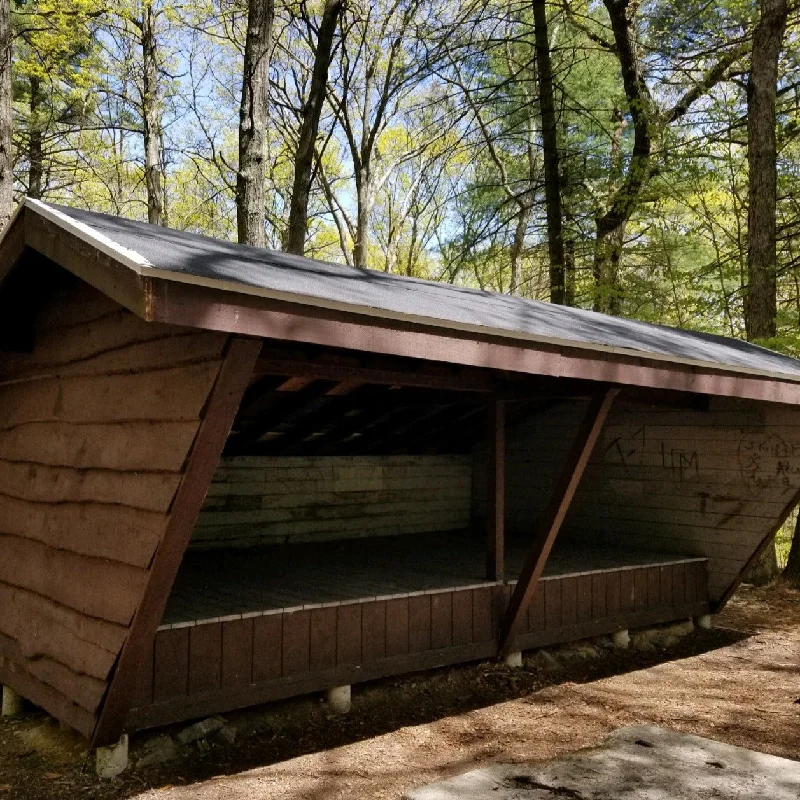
x=180, y=299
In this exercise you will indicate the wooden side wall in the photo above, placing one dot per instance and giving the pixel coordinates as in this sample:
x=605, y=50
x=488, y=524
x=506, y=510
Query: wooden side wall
x=202, y=668
x=709, y=483
x=269, y=500
x=95, y=428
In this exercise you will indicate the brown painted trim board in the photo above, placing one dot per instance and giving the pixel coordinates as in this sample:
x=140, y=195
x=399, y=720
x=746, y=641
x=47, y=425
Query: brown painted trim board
x=222, y=406
x=571, y=474
x=185, y=304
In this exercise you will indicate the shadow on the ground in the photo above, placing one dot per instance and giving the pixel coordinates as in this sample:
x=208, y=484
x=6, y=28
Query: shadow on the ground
x=279, y=732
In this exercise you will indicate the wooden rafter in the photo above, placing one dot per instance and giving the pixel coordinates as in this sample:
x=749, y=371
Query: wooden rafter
x=371, y=437
x=313, y=421
x=422, y=424
x=571, y=473
x=203, y=460
x=381, y=370
x=272, y=409
x=355, y=420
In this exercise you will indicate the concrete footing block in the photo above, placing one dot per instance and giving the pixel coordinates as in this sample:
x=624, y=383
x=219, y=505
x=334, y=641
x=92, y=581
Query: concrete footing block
x=113, y=760
x=513, y=659
x=12, y=702
x=621, y=639
x=340, y=699
x=704, y=622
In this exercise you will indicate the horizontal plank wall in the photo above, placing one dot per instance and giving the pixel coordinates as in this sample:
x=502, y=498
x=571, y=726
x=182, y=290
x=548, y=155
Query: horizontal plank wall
x=206, y=667
x=709, y=483
x=95, y=427
x=268, y=500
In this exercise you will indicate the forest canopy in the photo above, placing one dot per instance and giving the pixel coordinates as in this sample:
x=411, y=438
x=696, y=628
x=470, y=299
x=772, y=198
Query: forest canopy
x=637, y=157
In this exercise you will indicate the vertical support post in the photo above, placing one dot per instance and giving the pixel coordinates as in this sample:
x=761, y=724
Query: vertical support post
x=496, y=490
x=553, y=518
x=12, y=702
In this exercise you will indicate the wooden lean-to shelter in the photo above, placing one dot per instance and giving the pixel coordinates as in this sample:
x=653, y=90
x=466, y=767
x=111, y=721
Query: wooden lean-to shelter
x=229, y=476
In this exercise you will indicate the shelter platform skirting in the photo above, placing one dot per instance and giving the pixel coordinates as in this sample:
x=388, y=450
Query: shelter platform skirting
x=242, y=628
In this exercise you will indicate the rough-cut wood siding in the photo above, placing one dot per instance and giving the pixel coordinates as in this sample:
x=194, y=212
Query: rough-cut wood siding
x=703, y=483
x=95, y=428
x=264, y=500
x=213, y=666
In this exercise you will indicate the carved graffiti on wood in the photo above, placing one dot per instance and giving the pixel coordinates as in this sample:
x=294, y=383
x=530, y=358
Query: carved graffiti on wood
x=629, y=451
x=768, y=461
x=683, y=464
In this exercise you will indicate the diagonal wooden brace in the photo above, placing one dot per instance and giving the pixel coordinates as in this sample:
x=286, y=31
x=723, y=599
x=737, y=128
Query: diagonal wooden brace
x=571, y=474
x=220, y=413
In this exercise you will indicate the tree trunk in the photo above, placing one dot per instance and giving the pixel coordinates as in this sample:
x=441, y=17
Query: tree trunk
x=252, y=123
x=609, y=240
x=552, y=179
x=518, y=246
x=569, y=273
x=760, y=303
x=765, y=570
x=791, y=573
x=150, y=118
x=364, y=200
x=6, y=155
x=35, y=148
x=304, y=159
x=624, y=196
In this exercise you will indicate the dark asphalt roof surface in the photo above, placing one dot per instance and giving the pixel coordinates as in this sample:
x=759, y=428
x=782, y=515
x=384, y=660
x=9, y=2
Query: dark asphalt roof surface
x=252, y=270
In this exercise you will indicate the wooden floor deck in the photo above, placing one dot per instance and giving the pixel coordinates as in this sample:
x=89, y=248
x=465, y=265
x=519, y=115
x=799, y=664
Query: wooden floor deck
x=253, y=626
x=222, y=583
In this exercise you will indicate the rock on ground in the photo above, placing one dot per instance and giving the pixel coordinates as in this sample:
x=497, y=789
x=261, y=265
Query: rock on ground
x=200, y=730
x=639, y=762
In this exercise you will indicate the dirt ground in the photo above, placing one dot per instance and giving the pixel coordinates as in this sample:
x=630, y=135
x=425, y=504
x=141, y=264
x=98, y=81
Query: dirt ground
x=739, y=683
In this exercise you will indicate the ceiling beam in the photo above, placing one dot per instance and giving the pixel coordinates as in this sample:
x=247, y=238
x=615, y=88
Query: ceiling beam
x=370, y=370
x=269, y=411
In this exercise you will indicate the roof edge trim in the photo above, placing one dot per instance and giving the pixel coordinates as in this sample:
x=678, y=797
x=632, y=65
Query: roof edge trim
x=509, y=335
x=142, y=267
x=129, y=258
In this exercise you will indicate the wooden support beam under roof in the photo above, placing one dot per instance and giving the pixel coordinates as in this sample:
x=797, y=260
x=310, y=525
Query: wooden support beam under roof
x=571, y=474
x=271, y=409
x=356, y=419
x=496, y=491
x=370, y=438
x=340, y=365
x=315, y=421
x=425, y=426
